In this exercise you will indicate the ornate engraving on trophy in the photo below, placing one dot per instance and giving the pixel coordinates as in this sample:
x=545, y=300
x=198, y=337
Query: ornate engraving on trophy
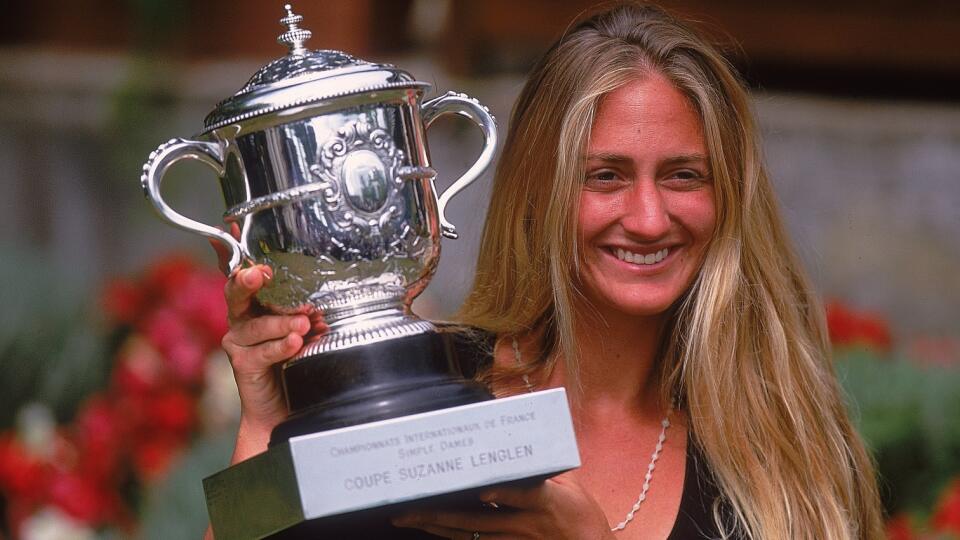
x=289, y=67
x=361, y=192
x=357, y=173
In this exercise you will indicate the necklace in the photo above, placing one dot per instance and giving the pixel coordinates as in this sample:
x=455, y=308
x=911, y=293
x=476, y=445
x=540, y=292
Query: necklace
x=664, y=424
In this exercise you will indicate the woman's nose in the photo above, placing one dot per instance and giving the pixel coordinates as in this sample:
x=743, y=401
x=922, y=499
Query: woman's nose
x=645, y=212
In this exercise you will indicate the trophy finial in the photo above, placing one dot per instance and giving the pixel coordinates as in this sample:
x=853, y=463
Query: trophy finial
x=295, y=36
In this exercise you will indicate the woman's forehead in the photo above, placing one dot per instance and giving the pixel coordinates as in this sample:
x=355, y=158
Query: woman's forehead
x=646, y=113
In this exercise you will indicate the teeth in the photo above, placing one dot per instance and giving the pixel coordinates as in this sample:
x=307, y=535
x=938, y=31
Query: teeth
x=637, y=258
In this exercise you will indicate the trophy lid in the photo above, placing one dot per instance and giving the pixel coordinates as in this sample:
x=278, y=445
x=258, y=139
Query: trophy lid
x=303, y=77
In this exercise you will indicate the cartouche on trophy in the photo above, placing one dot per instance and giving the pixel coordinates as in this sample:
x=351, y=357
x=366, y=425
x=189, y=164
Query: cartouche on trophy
x=324, y=167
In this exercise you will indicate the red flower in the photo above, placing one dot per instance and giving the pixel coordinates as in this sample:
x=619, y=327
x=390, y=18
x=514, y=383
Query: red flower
x=99, y=433
x=899, y=528
x=22, y=476
x=850, y=327
x=165, y=277
x=162, y=422
x=169, y=332
x=172, y=410
x=123, y=301
x=186, y=360
x=946, y=518
x=84, y=498
x=153, y=456
x=201, y=301
x=139, y=368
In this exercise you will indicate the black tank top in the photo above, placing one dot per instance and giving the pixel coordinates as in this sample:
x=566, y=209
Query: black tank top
x=700, y=493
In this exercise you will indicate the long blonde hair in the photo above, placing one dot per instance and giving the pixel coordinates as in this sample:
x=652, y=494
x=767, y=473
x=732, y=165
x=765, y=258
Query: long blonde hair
x=746, y=350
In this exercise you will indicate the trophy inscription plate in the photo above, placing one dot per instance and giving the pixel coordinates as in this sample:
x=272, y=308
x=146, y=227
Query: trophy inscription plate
x=383, y=464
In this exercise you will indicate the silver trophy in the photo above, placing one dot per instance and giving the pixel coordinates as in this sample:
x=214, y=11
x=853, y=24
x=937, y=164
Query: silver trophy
x=323, y=162
x=324, y=167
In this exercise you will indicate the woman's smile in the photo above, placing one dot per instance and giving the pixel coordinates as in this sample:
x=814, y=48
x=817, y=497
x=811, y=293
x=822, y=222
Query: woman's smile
x=637, y=258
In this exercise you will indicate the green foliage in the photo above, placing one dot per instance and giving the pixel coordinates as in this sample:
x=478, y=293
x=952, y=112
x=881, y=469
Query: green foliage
x=177, y=507
x=51, y=350
x=910, y=418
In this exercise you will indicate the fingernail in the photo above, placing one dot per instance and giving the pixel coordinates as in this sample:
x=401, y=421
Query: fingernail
x=267, y=273
x=300, y=325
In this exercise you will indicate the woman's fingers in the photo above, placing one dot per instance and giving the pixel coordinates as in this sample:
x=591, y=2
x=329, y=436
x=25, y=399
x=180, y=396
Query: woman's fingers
x=481, y=521
x=241, y=288
x=459, y=534
x=268, y=328
x=524, y=498
x=254, y=345
x=259, y=357
x=467, y=521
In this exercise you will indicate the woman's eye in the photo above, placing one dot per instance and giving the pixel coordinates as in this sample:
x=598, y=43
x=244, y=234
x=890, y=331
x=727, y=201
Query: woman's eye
x=687, y=177
x=602, y=179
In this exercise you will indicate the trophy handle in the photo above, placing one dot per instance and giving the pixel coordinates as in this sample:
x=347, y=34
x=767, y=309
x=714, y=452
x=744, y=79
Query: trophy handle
x=461, y=104
x=156, y=167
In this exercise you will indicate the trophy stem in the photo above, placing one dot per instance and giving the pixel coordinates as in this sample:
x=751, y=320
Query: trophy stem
x=364, y=328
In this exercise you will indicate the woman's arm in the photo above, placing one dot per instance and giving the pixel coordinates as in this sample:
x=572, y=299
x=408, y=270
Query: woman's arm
x=256, y=343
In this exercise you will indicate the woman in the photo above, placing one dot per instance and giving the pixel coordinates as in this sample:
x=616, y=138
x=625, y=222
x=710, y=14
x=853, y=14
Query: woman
x=633, y=254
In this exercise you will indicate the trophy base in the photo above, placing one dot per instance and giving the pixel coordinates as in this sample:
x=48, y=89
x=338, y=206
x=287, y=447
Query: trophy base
x=348, y=482
x=372, y=382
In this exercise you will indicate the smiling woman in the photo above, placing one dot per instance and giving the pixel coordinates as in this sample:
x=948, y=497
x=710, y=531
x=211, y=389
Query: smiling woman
x=634, y=255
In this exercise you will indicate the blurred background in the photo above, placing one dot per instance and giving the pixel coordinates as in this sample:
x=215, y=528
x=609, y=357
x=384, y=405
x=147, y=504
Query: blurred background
x=115, y=399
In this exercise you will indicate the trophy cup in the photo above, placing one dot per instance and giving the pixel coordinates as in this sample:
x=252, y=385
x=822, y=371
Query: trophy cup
x=324, y=167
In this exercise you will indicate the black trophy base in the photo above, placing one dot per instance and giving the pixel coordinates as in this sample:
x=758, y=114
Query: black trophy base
x=372, y=382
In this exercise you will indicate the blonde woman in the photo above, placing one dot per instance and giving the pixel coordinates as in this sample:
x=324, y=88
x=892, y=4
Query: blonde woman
x=633, y=254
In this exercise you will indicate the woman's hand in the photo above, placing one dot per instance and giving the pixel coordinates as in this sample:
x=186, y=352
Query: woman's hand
x=257, y=342
x=558, y=508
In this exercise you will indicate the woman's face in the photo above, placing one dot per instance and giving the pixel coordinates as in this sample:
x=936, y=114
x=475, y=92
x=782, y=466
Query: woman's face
x=647, y=210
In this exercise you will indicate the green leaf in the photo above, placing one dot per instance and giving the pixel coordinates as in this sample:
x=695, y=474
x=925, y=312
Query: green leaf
x=177, y=507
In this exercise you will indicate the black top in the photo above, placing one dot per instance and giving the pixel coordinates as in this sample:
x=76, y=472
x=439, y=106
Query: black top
x=700, y=492
x=695, y=516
